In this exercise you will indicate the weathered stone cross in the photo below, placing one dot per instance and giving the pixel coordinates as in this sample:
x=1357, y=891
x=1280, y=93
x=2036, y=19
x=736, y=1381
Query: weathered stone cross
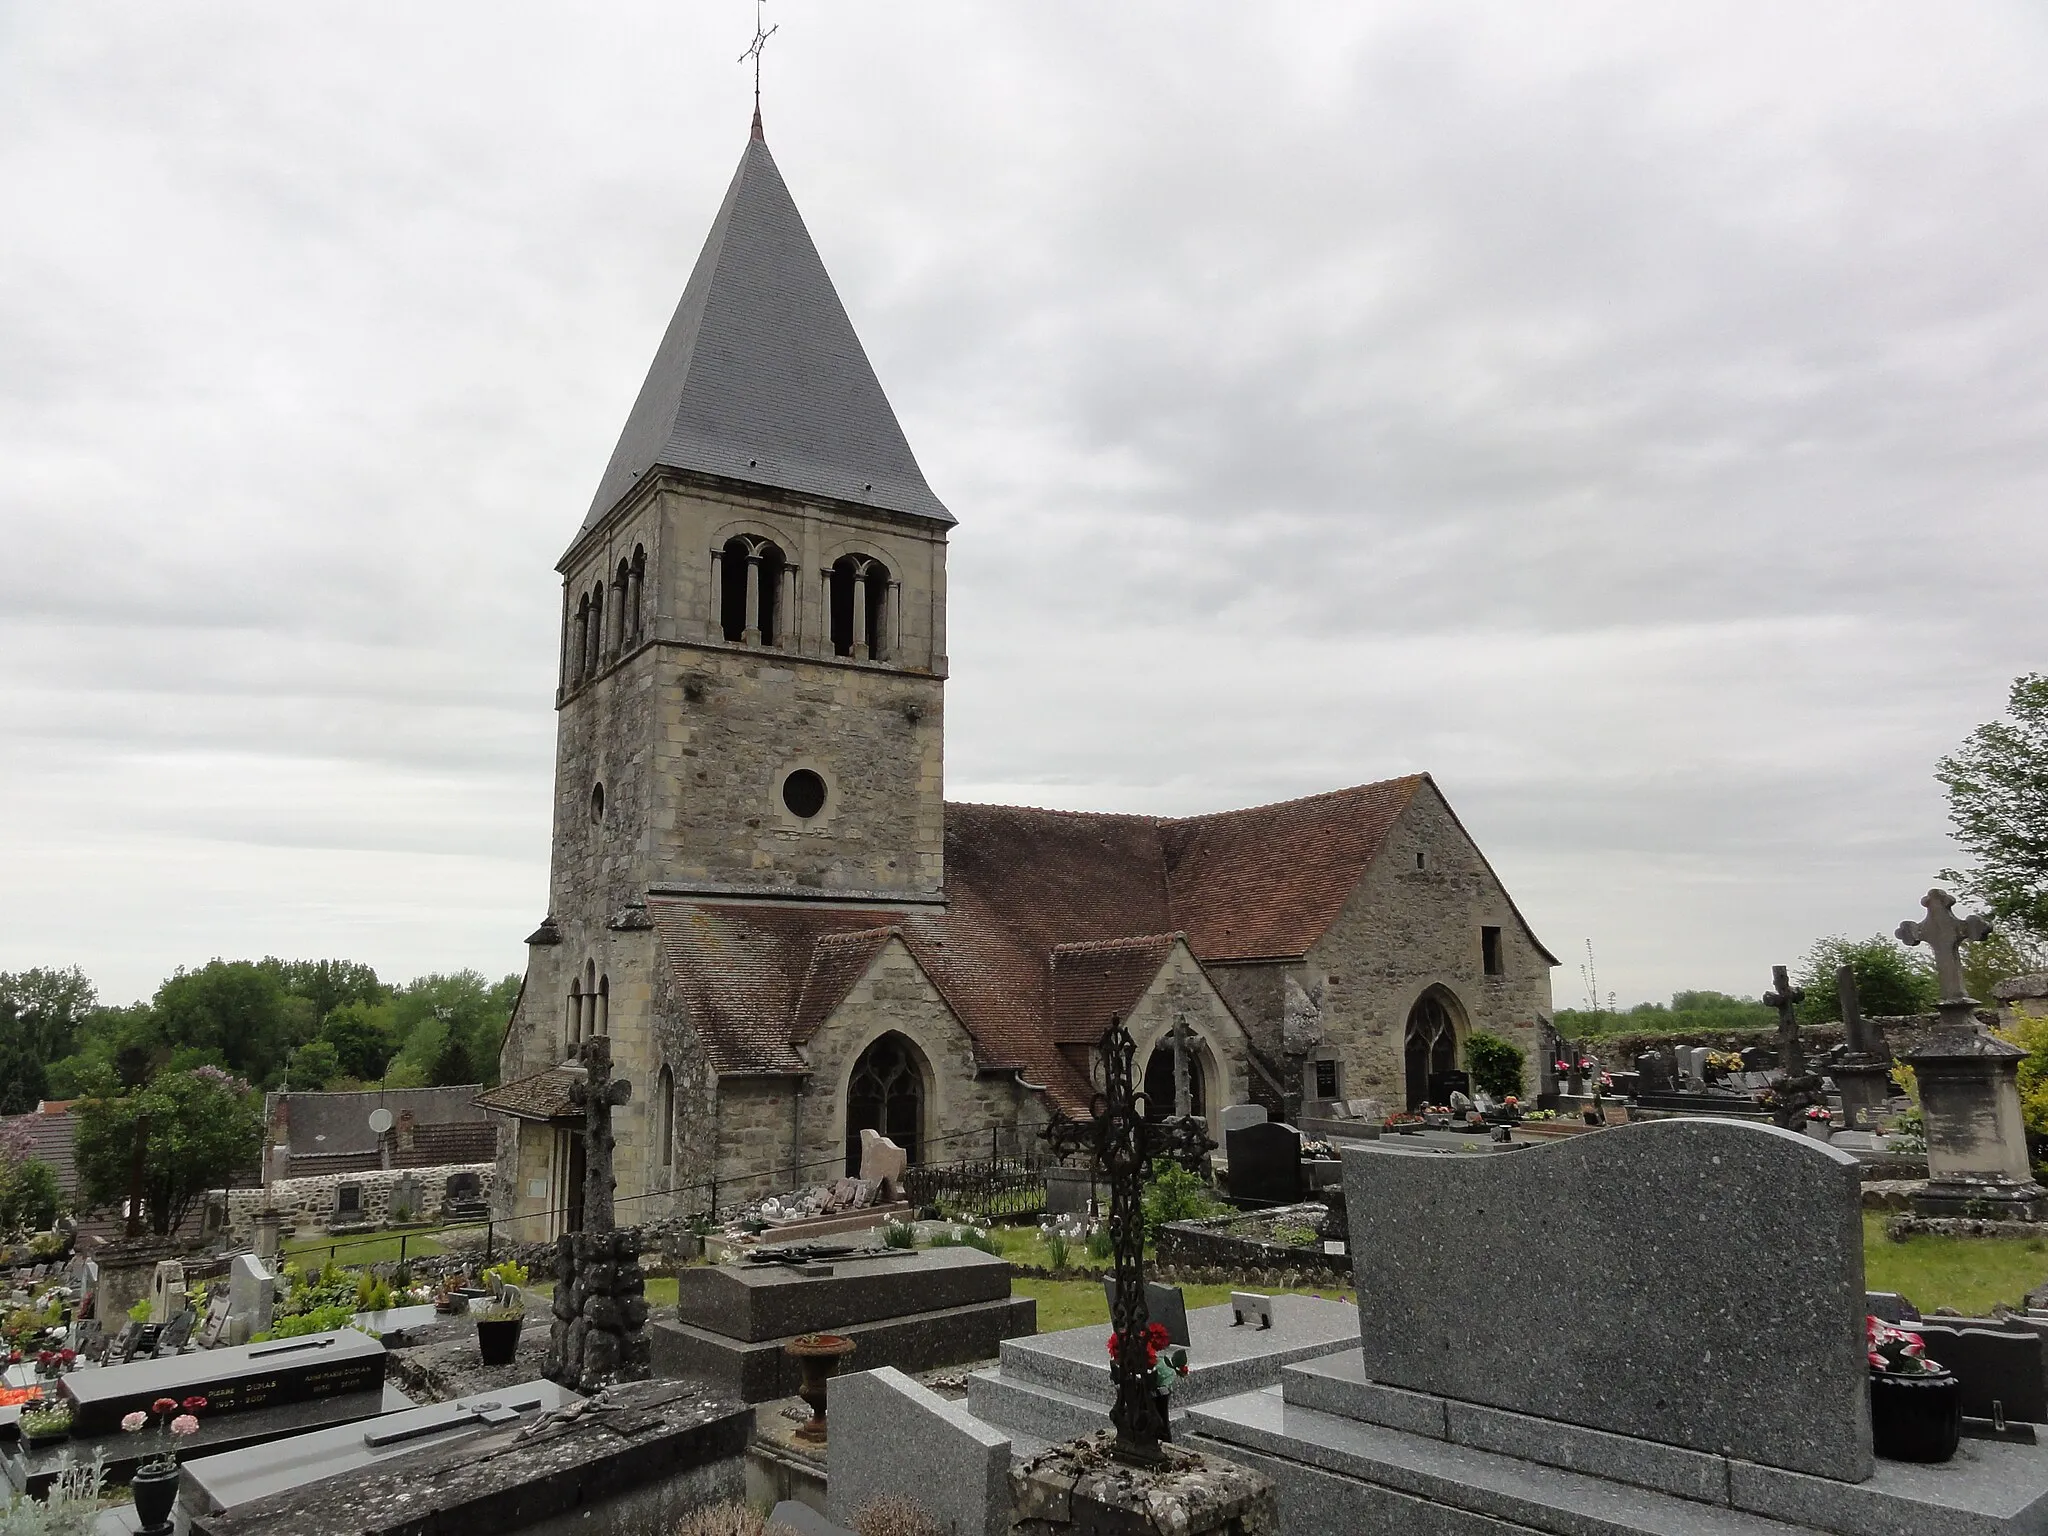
x=1183, y=1098
x=1123, y=1145
x=1941, y=931
x=1786, y=998
x=596, y=1096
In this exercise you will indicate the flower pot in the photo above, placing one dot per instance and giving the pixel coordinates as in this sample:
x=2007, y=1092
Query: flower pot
x=1915, y=1418
x=156, y=1494
x=818, y=1355
x=497, y=1340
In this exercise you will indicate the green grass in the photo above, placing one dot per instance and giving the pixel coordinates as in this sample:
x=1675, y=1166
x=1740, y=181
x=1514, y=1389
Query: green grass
x=1970, y=1274
x=364, y=1248
x=1081, y=1304
x=1026, y=1245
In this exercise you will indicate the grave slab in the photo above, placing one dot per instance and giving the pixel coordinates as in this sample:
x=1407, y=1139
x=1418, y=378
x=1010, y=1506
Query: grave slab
x=219, y=1483
x=753, y=1302
x=638, y=1458
x=1757, y=1354
x=891, y=1436
x=232, y=1381
x=758, y=1370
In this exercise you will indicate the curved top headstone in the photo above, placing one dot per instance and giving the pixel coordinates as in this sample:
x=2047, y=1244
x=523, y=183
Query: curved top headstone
x=1692, y=1281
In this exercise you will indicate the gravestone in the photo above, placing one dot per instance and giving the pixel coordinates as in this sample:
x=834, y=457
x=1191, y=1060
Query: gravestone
x=348, y=1203
x=405, y=1199
x=89, y=1338
x=176, y=1332
x=2000, y=1369
x=1442, y=1085
x=123, y=1346
x=1069, y=1191
x=1237, y=1116
x=1369, y=1110
x=882, y=1160
x=169, y=1277
x=1776, y=1286
x=1164, y=1305
x=1265, y=1163
x=231, y=1380
x=893, y=1437
x=214, y=1331
x=252, y=1292
x=463, y=1197
x=1653, y=1073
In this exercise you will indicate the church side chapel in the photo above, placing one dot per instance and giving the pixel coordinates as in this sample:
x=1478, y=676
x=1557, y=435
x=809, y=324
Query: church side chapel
x=761, y=896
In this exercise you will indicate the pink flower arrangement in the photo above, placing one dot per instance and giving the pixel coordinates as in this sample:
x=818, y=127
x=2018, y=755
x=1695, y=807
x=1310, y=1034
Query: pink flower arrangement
x=173, y=1423
x=1895, y=1351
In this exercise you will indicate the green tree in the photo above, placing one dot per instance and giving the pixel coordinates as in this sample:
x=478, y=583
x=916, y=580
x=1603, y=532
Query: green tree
x=234, y=1010
x=1997, y=784
x=1998, y=958
x=40, y=1014
x=1495, y=1064
x=326, y=984
x=313, y=1067
x=462, y=1005
x=1891, y=980
x=203, y=1128
x=364, y=1037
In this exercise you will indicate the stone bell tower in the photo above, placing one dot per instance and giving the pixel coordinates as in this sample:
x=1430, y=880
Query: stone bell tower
x=753, y=626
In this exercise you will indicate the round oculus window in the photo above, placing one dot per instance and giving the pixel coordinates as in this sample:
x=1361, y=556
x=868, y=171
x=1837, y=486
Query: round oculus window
x=804, y=793
x=597, y=802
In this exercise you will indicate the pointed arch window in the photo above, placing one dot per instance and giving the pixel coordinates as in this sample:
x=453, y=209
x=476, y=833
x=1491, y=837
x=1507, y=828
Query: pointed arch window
x=752, y=574
x=861, y=597
x=886, y=1094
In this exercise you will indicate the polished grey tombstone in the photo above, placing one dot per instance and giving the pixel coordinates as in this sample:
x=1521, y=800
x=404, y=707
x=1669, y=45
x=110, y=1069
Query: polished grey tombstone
x=1711, y=1381
x=1713, y=1272
x=892, y=1437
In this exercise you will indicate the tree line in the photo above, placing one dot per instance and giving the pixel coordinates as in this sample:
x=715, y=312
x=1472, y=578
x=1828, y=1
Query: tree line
x=299, y=1024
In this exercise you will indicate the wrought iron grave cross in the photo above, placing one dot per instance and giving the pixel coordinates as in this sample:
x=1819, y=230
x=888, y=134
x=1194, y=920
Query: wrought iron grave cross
x=1123, y=1145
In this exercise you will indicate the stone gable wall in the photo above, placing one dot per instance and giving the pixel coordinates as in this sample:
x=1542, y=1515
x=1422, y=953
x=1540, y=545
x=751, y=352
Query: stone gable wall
x=1404, y=930
x=1181, y=988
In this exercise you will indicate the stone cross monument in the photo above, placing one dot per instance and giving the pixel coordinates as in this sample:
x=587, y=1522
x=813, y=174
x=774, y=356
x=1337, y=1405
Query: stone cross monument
x=1183, y=1098
x=1797, y=1088
x=1861, y=1066
x=1977, y=1161
x=1124, y=1145
x=600, y=1304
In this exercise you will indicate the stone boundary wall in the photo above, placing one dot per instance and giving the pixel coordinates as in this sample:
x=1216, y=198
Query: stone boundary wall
x=309, y=1202
x=1618, y=1052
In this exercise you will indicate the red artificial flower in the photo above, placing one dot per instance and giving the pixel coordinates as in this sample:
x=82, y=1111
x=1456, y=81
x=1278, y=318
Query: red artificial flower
x=194, y=1404
x=44, y=1357
x=164, y=1405
x=67, y=1355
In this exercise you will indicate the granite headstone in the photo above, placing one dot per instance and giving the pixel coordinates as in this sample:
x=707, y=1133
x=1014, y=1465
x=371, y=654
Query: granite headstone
x=1702, y=1317
x=892, y=1437
x=1237, y=1116
x=1265, y=1163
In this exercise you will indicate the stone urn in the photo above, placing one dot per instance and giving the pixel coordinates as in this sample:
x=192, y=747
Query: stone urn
x=819, y=1354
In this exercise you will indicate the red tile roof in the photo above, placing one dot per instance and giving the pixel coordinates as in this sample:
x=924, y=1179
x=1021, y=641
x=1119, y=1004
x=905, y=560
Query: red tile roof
x=1054, y=921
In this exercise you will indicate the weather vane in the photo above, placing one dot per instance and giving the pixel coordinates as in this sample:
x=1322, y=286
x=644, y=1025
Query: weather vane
x=754, y=52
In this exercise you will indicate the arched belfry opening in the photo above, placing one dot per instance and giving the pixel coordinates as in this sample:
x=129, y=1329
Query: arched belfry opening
x=886, y=1093
x=1159, y=1085
x=751, y=575
x=862, y=611
x=1432, y=1043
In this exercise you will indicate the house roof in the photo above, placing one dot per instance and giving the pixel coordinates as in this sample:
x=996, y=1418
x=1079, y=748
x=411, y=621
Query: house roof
x=1054, y=921
x=760, y=377
x=52, y=1135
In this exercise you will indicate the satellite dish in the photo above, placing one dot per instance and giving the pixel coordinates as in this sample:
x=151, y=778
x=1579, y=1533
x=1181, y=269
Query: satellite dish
x=380, y=1120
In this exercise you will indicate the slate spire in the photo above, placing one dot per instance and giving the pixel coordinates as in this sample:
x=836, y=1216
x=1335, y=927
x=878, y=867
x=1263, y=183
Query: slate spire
x=760, y=377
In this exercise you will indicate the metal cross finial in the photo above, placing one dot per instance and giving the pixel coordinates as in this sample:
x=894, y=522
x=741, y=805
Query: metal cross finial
x=1944, y=933
x=754, y=52
x=1123, y=1144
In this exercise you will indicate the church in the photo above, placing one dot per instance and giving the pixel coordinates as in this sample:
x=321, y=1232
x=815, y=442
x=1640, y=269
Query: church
x=761, y=895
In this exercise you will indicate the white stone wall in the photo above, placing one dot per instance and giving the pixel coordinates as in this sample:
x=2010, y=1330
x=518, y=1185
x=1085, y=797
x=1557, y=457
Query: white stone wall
x=309, y=1202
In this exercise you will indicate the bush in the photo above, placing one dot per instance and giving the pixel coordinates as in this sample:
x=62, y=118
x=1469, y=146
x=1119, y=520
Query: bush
x=327, y=1319
x=892, y=1515
x=1172, y=1193
x=29, y=1198
x=899, y=1234
x=1891, y=980
x=1495, y=1064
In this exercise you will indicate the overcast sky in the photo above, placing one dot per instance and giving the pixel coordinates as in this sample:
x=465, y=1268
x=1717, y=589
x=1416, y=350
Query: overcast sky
x=1633, y=416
